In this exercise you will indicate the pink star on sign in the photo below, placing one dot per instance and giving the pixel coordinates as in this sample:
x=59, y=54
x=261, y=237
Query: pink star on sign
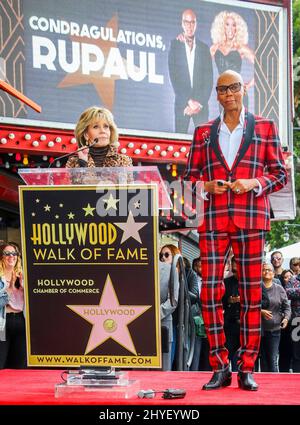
x=109, y=319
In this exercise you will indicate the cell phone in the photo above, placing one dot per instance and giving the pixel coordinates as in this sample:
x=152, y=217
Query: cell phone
x=220, y=182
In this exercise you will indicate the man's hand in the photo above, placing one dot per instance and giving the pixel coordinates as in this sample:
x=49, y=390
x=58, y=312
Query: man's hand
x=284, y=323
x=193, y=107
x=180, y=37
x=267, y=314
x=241, y=186
x=234, y=299
x=187, y=111
x=216, y=187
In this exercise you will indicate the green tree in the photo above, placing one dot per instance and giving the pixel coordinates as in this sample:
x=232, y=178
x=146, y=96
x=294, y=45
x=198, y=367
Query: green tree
x=296, y=28
x=296, y=61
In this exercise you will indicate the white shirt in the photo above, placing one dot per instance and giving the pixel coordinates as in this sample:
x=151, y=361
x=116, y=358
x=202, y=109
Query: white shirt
x=230, y=143
x=190, y=56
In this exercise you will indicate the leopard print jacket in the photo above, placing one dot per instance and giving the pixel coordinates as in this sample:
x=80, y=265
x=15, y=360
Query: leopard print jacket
x=112, y=159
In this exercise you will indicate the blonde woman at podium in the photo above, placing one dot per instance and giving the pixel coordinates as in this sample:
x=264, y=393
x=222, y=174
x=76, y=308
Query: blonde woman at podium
x=97, y=131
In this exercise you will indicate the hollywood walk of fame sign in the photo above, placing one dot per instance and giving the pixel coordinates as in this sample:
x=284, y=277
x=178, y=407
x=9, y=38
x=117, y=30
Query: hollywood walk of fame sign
x=91, y=275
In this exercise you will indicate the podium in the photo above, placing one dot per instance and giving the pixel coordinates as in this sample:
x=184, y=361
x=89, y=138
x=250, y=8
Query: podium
x=100, y=176
x=90, y=254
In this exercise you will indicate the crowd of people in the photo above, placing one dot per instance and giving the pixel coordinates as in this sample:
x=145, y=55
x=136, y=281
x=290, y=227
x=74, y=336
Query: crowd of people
x=279, y=348
x=280, y=302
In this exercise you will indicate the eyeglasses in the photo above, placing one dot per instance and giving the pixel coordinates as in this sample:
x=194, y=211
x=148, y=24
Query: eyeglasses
x=234, y=88
x=8, y=254
x=185, y=22
x=276, y=258
x=164, y=254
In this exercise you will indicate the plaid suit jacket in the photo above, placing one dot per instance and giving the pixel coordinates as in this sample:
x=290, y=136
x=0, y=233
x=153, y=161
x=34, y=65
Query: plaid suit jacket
x=259, y=156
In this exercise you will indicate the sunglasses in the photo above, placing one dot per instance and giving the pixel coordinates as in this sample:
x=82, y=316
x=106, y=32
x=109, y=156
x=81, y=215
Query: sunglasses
x=275, y=258
x=234, y=88
x=8, y=254
x=164, y=254
x=295, y=264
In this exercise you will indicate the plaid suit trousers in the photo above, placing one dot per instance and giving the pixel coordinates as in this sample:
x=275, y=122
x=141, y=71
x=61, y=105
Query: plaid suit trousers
x=248, y=249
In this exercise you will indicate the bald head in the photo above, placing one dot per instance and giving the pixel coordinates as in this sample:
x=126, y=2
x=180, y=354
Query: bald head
x=189, y=13
x=229, y=73
x=189, y=23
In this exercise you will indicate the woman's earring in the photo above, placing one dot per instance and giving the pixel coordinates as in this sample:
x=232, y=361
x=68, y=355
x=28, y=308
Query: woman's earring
x=86, y=138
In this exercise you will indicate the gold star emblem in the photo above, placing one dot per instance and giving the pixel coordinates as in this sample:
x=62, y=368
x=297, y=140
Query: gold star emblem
x=71, y=216
x=111, y=202
x=89, y=210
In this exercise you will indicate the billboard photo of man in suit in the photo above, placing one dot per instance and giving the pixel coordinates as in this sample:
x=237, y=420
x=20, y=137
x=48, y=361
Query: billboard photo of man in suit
x=191, y=75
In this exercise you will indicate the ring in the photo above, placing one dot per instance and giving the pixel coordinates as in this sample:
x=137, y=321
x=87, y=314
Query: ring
x=237, y=190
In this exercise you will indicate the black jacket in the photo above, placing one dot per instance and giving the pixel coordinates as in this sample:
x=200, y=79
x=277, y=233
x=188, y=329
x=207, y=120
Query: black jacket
x=232, y=310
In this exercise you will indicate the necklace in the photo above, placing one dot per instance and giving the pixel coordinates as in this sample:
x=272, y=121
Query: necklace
x=9, y=277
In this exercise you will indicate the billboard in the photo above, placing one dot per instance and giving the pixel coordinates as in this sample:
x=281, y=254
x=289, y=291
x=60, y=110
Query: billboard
x=132, y=58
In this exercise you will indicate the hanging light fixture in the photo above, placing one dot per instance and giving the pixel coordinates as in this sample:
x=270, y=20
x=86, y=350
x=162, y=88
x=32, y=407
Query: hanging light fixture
x=174, y=170
x=25, y=159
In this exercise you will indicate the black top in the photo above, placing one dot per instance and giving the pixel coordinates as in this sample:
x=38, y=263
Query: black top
x=232, y=61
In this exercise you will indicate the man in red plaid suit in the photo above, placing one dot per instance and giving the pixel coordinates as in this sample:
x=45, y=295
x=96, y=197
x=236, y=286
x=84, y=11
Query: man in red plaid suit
x=239, y=161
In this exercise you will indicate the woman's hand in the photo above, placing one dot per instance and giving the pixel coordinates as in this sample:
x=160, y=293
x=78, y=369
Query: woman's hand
x=214, y=48
x=83, y=154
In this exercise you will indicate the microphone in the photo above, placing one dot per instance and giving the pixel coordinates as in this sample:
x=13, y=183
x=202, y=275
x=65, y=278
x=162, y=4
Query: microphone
x=169, y=393
x=72, y=153
x=146, y=394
